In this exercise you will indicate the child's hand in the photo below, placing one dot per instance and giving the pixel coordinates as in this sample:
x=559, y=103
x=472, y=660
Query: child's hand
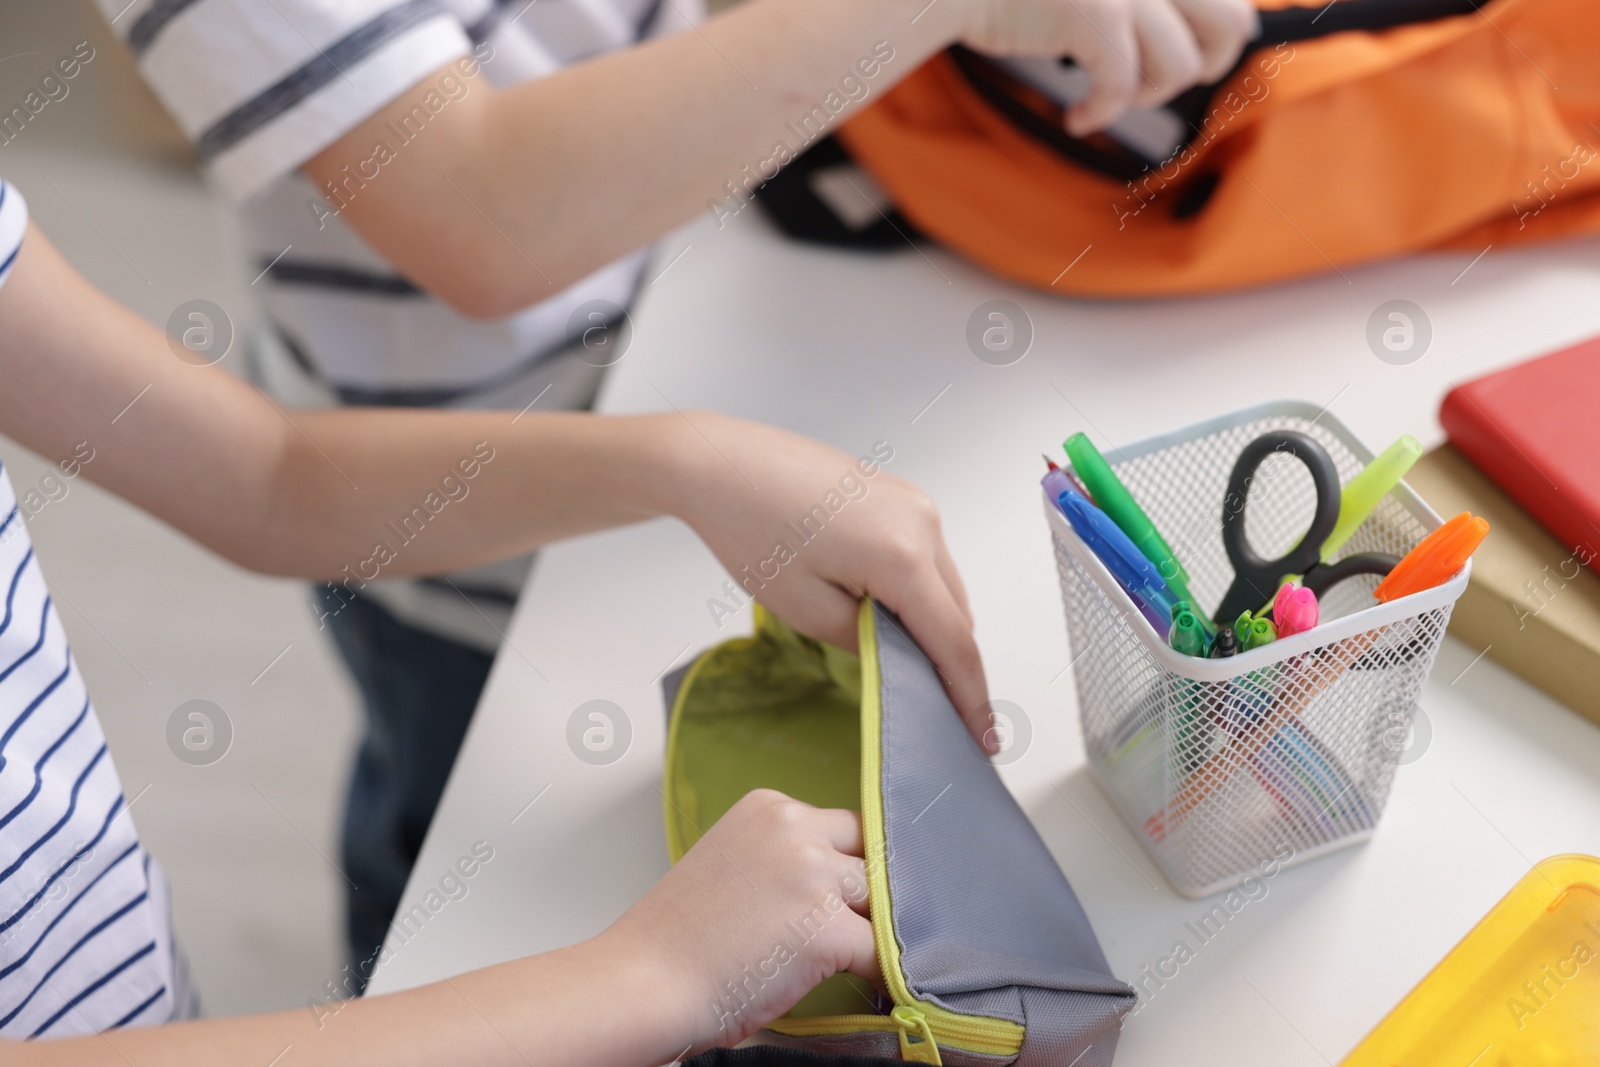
x=1139, y=52
x=808, y=532
x=769, y=903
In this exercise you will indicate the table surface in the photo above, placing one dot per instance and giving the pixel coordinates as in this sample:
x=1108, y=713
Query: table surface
x=853, y=349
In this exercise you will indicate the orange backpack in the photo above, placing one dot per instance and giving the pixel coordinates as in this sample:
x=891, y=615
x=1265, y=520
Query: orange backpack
x=1318, y=152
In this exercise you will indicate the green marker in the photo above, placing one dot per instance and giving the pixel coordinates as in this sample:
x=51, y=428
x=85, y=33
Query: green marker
x=1187, y=635
x=1253, y=692
x=1193, y=732
x=1114, y=499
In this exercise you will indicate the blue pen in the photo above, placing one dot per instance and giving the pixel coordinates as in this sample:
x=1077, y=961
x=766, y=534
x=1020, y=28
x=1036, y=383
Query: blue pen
x=1137, y=575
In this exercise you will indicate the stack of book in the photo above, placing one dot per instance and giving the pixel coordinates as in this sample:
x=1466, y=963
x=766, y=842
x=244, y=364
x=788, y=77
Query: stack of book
x=1524, y=452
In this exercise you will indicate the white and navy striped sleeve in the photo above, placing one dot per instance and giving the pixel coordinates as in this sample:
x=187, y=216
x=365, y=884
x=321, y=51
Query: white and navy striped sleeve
x=262, y=87
x=84, y=947
x=85, y=938
x=13, y=227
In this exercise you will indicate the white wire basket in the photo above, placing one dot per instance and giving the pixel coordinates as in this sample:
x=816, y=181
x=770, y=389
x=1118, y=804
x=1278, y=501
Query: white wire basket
x=1279, y=754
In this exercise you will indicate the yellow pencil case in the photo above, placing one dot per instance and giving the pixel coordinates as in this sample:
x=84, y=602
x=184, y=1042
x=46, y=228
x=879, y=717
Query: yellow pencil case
x=1522, y=989
x=987, y=956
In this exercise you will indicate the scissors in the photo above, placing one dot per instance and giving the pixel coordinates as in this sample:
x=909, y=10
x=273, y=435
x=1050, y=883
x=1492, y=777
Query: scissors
x=1256, y=579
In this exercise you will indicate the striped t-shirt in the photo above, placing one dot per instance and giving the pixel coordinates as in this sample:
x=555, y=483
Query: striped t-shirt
x=262, y=86
x=85, y=941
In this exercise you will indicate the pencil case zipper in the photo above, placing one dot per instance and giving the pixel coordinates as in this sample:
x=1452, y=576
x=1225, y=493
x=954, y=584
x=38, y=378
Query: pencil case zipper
x=930, y=1024
x=921, y=1026
x=920, y=1034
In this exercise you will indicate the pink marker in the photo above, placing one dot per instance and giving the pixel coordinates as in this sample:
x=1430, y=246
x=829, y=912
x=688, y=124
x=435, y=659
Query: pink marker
x=1294, y=609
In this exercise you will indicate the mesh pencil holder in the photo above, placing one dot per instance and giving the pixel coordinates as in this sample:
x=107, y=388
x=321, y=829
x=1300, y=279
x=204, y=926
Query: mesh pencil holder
x=1278, y=754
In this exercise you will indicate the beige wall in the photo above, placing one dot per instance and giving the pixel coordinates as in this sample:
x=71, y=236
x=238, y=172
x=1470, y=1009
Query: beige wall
x=114, y=108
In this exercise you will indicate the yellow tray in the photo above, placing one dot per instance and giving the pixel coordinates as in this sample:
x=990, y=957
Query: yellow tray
x=1522, y=989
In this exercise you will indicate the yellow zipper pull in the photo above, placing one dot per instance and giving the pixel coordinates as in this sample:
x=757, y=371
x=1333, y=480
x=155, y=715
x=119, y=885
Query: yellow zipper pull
x=911, y=1021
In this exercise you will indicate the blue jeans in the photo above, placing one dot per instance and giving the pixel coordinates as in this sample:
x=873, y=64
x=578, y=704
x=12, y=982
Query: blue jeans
x=419, y=691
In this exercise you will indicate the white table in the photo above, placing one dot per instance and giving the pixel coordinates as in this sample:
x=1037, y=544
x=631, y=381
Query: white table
x=852, y=349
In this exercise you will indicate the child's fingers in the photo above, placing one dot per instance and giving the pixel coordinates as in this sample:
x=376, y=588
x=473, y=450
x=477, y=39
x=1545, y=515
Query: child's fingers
x=952, y=578
x=1168, y=54
x=854, y=880
x=936, y=622
x=1221, y=28
x=828, y=613
x=1109, y=52
x=857, y=952
x=841, y=829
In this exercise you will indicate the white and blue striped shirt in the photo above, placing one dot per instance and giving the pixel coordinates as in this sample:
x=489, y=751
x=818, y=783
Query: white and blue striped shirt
x=261, y=88
x=85, y=940
x=13, y=225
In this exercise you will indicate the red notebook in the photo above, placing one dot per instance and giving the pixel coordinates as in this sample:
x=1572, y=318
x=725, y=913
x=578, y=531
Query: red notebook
x=1534, y=429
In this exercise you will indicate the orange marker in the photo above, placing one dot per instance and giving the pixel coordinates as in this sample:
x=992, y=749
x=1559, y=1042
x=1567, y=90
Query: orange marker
x=1435, y=559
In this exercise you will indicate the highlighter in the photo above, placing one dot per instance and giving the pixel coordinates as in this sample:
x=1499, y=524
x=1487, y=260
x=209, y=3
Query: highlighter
x=1115, y=500
x=1294, y=609
x=1436, y=558
x=1362, y=495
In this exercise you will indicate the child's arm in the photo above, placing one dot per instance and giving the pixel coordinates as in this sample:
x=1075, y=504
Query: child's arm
x=513, y=195
x=652, y=987
x=350, y=496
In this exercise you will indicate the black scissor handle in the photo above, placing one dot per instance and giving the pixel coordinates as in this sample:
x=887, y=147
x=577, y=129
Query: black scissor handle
x=1255, y=578
x=1324, y=576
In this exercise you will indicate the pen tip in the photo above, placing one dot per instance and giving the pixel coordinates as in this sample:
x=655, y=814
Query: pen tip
x=1048, y=462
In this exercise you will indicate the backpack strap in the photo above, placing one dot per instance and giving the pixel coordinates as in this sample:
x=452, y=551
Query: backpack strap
x=1286, y=25
x=791, y=200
